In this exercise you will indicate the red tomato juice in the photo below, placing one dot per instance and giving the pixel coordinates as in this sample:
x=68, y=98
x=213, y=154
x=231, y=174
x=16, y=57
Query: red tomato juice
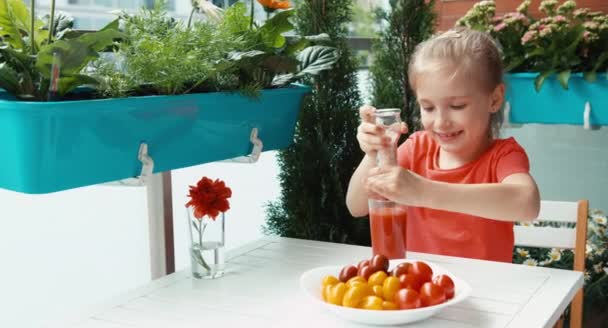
x=388, y=229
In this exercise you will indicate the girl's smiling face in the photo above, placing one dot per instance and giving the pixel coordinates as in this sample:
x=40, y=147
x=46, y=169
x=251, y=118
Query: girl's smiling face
x=456, y=110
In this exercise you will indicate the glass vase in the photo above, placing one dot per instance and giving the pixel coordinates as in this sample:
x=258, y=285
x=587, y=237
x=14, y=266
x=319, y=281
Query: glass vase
x=207, y=241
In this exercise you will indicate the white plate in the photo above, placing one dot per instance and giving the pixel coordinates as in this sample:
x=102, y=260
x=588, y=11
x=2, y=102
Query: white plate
x=310, y=283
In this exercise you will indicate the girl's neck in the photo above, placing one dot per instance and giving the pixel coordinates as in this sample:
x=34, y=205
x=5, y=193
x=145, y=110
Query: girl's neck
x=447, y=160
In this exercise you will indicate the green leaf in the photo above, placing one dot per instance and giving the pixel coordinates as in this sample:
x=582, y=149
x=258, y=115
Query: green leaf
x=563, y=77
x=273, y=28
x=9, y=79
x=113, y=25
x=514, y=63
x=540, y=79
x=315, y=59
x=62, y=23
x=69, y=83
x=600, y=61
x=13, y=18
x=235, y=19
x=236, y=55
x=282, y=79
x=294, y=47
x=74, y=54
x=590, y=76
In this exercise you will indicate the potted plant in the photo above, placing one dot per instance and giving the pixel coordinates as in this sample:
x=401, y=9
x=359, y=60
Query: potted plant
x=556, y=64
x=192, y=92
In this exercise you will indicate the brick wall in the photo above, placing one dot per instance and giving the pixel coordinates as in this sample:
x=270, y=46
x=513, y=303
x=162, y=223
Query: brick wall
x=450, y=11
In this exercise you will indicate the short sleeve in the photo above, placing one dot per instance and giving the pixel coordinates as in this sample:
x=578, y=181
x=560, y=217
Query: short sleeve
x=512, y=159
x=406, y=151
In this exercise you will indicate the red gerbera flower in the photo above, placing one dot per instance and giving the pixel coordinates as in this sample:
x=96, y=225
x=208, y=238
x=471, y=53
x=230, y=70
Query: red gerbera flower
x=209, y=198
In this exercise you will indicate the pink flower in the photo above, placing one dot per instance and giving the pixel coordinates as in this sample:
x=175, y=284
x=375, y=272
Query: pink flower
x=499, y=27
x=528, y=37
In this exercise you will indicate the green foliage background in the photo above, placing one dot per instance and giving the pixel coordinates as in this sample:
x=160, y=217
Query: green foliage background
x=316, y=169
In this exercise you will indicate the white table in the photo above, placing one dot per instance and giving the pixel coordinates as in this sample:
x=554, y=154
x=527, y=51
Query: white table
x=261, y=289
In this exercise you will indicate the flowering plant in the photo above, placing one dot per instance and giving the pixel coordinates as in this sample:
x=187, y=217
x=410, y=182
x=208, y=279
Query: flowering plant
x=566, y=40
x=596, y=259
x=207, y=199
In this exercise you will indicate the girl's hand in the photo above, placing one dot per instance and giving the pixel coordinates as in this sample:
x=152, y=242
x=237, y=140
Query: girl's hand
x=396, y=184
x=372, y=137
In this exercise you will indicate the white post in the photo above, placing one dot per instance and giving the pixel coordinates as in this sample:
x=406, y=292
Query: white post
x=160, y=218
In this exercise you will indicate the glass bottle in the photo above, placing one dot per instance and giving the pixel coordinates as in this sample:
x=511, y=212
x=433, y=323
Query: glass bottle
x=388, y=219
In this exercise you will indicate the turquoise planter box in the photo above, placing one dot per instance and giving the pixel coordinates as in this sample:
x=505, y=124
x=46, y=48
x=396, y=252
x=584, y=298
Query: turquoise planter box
x=53, y=146
x=554, y=105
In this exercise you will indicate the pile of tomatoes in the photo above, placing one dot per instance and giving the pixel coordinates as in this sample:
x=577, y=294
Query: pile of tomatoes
x=370, y=285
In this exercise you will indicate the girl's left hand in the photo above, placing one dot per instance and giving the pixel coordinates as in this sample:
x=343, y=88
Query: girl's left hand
x=396, y=184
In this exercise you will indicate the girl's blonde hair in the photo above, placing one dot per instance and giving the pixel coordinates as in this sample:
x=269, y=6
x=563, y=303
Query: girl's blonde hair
x=472, y=52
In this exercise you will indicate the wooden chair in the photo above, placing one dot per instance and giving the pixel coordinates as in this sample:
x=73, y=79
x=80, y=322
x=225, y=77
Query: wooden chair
x=563, y=237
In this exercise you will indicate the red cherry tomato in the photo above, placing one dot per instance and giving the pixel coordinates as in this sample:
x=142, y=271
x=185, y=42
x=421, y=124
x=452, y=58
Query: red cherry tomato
x=366, y=271
x=379, y=262
x=447, y=283
x=406, y=298
x=347, y=272
x=410, y=280
x=431, y=294
x=362, y=264
x=401, y=269
x=423, y=270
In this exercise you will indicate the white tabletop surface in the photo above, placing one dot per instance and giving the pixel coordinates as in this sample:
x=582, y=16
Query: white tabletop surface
x=261, y=289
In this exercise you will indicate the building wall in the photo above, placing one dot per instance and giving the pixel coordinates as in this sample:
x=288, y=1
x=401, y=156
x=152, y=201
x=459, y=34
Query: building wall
x=450, y=11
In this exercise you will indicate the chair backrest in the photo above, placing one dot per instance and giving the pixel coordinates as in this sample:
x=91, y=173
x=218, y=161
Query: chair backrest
x=560, y=237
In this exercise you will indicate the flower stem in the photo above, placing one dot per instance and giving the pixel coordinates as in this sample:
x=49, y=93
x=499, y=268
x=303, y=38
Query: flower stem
x=251, y=18
x=190, y=18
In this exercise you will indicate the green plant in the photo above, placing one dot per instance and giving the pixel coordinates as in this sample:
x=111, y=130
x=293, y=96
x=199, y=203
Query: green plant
x=165, y=56
x=315, y=170
x=596, y=262
x=29, y=52
x=409, y=23
x=565, y=41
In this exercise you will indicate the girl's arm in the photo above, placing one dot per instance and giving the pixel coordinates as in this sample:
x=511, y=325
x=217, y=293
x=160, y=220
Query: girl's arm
x=516, y=198
x=357, y=195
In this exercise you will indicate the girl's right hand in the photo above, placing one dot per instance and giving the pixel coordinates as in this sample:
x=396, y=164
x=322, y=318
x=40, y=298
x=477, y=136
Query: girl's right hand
x=372, y=137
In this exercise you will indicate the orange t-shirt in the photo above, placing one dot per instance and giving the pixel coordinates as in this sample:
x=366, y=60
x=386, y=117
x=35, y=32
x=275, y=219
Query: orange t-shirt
x=457, y=234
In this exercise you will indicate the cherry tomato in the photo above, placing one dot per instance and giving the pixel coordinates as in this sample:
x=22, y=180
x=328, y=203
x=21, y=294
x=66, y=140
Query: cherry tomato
x=386, y=305
x=422, y=269
x=371, y=303
x=362, y=264
x=377, y=278
x=379, y=262
x=390, y=286
x=354, y=295
x=431, y=294
x=347, y=272
x=401, y=269
x=329, y=280
x=410, y=280
x=378, y=290
x=336, y=293
x=447, y=283
x=355, y=279
x=366, y=271
x=407, y=298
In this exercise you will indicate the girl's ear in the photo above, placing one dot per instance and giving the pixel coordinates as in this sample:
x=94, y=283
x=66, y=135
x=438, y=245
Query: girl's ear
x=497, y=98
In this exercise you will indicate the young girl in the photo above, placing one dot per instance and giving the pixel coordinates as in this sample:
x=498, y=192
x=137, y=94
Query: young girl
x=463, y=186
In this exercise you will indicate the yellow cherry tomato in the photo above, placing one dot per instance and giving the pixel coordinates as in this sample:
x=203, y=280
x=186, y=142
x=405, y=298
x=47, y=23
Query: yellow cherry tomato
x=329, y=280
x=336, y=293
x=355, y=279
x=390, y=286
x=354, y=295
x=377, y=289
x=371, y=303
x=386, y=305
x=326, y=292
x=377, y=278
